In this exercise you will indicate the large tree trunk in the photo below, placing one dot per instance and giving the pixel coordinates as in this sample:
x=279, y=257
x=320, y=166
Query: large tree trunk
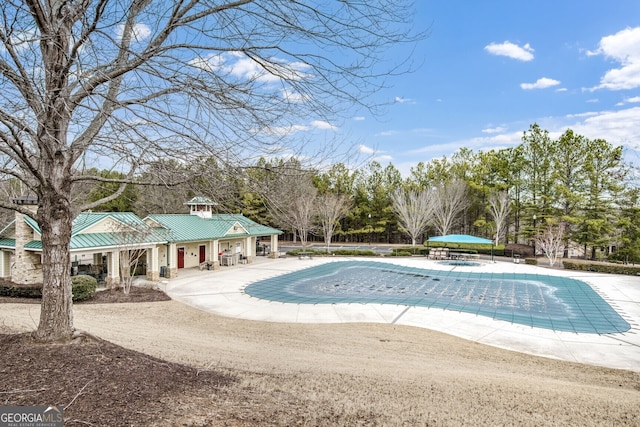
x=56, y=313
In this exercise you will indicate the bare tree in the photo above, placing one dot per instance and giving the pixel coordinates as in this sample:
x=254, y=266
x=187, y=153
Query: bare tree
x=499, y=207
x=120, y=85
x=331, y=208
x=292, y=201
x=449, y=199
x=133, y=238
x=551, y=242
x=414, y=210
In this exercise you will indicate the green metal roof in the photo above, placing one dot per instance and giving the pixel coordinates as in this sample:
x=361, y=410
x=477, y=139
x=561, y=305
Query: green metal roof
x=189, y=228
x=8, y=229
x=32, y=223
x=7, y=243
x=88, y=219
x=173, y=228
x=92, y=240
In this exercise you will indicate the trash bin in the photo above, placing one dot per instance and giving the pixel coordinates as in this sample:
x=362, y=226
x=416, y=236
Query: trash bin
x=516, y=259
x=161, y=271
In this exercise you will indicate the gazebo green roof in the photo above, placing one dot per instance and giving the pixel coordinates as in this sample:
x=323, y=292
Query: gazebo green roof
x=461, y=238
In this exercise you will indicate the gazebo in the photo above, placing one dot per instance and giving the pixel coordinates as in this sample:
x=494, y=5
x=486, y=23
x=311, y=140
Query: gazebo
x=462, y=238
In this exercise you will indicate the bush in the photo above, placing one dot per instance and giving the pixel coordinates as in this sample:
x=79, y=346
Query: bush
x=601, y=267
x=399, y=252
x=409, y=251
x=531, y=261
x=354, y=252
x=13, y=290
x=83, y=287
x=308, y=250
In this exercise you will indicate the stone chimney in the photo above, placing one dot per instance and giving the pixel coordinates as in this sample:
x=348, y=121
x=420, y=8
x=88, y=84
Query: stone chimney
x=27, y=265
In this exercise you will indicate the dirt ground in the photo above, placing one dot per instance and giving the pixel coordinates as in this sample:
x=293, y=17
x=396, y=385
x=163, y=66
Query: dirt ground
x=160, y=363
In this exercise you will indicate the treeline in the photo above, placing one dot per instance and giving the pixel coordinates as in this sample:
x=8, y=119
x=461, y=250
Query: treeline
x=583, y=184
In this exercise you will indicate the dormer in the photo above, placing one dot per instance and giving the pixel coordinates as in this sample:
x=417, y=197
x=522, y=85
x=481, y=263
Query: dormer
x=236, y=228
x=201, y=206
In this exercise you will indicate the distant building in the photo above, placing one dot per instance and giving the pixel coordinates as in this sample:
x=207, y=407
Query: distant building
x=171, y=242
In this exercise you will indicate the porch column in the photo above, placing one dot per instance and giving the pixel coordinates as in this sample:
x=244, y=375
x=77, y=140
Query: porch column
x=250, y=248
x=213, y=254
x=172, y=254
x=113, y=269
x=5, y=264
x=153, y=270
x=274, y=246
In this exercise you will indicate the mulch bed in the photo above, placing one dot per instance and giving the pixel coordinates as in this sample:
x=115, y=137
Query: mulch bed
x=108, y=296
x=135, y=295
x=98, y=383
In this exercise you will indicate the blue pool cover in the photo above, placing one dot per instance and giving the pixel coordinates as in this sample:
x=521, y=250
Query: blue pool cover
x=542, y=301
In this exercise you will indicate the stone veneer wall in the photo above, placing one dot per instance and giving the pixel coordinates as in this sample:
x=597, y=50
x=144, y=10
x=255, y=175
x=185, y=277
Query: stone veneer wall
x=27, y=268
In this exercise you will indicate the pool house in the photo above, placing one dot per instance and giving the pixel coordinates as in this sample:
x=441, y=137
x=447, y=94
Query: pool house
x=170, y=242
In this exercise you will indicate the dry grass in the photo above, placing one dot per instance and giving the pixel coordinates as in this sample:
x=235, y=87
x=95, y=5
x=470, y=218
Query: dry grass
x=355, y=374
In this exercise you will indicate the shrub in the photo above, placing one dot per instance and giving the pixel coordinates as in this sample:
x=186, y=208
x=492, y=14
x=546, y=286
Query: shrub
x=410, y=250
x=13, y=290
x=354, y=252
x=531, y=261
x=601, y=267
x=308, y=250
x=399, y=252
x=83, y=287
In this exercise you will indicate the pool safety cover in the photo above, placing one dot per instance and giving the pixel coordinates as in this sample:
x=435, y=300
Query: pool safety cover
x=542, y=301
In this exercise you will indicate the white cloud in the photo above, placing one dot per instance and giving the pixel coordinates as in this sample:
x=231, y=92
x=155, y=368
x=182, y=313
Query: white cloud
x=365, y=150
x=383, y=158
x=401, y=100
x=140, y=32
x=624, y=48
x=387, y=133
x=286, y=130
x=20, y=40
x=498, y=129
x=376, y=155
x=541, y=83
x=293, y=96
x=359, y=118
x=617, y=127
x=241, y=66
x=320, y=124
x=587, y=114
x=511, y=50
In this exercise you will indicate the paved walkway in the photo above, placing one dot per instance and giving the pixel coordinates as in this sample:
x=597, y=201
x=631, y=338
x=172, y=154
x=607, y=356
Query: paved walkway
x=221, y=292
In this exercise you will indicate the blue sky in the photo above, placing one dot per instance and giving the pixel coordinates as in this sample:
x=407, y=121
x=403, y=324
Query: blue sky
x=490, y=69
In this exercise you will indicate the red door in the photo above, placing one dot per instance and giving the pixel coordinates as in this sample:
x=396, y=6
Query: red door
x=202, y=254
x=180, y=257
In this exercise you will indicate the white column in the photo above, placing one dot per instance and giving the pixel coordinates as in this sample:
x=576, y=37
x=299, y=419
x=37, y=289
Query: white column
x=5, y=264
x=274, y=246
x=153, y=263
x=113, y=269
x=172, y=253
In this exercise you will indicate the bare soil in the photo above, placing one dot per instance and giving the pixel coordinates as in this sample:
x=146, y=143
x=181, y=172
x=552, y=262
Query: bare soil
x=163, y=363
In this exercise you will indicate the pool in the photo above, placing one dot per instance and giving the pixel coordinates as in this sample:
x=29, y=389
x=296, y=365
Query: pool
x=542, y=301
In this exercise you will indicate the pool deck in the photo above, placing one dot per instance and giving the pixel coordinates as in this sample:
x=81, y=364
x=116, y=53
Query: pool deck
x=221, y=292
